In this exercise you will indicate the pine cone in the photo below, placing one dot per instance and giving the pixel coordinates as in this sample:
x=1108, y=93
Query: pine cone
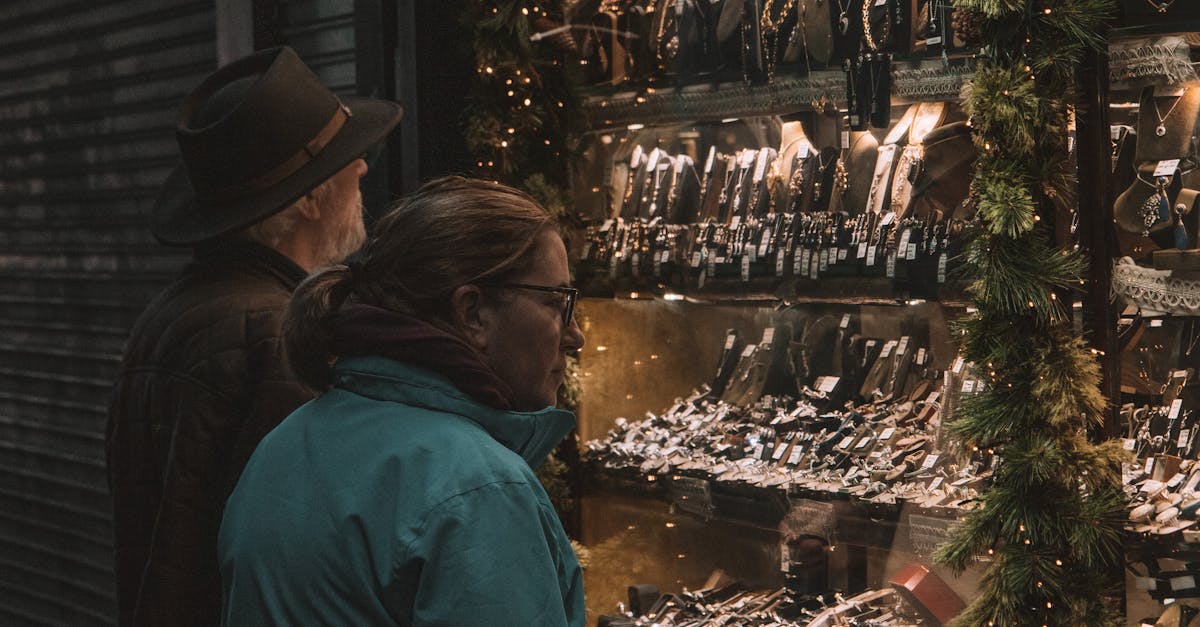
x=966, y=27
x=562, y=41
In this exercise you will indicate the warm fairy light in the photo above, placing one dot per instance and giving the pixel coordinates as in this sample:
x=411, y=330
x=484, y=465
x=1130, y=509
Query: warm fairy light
x=512, y=131
x=511, y=93
x=601, y=349
x=504, y=144
x=528, y=102
x=670, y=525
x=488, y=69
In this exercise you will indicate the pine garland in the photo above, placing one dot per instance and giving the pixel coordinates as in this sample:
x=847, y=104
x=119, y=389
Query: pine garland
x=1050, y=524
x=522, y=126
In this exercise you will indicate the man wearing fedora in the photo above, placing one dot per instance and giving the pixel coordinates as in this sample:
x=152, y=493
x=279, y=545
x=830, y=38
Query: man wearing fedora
x=268, y=191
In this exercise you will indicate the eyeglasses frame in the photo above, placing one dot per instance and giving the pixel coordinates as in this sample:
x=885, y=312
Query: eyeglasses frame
x=571, y=293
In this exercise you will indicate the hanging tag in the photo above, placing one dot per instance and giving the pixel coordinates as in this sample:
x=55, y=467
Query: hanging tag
x=824, y=264
x=745, y=267
x=779, y=262
x=802, y=152
x=930, y=460
x=958, y=365
x=814, y=267
x=888, y=218
x=843, y=254
x=1166, y=167
x=805, y=258
x=752, y=253
x=920, y=357
x=1129, y=444
x=768, y=335
x=697, y=257
x=902, y=346
x=712, y=155
x=881, y=3
x=1176, y=405
x=905, y=235
x=733, y=224
x=911, y=253
x=862, y=251
x=760, y=168
x=827, y=384
x=845, y=140
x=871, y=255
x=887, y=349
x=941, y=273
x=891, y=266
x=799, y=263
x=845, y=322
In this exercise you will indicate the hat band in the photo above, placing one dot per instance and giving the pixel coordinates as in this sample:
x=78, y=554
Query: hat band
x=288, y=167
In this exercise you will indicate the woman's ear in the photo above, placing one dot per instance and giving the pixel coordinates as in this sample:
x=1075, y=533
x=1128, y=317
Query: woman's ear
x=472, y=315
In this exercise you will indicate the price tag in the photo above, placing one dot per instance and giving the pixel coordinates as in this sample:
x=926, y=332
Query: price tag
x=780, y=260
x=652, y=161
x=797, y=453
x=905, y=235
x=888, y=218
x=863, y=443
x=881, y=3
x=735, y=222
x=941, y=273
x=814, y=267
x=968, y=386
x=845, y=139
x=768, y=335
x=930, y=460
x=843, y=253
x=846, y=442
x=1176, y=405
x=1150, y=486
x=748, y=351
x=799, y=265
x=1129, y=444
x=887, y=349
x=758, y=451
x=887, y=434
x=958, y=365
x=936, y=483
x=1185, y=582
x=920, y=357
x=891, y=266
x=1184, y=435
x=871, y=255
x=606, y=226
x=933, y=396
x=806, y=257
x=824, y=264
x=779, y=451
x=802, y=152
x=1176, y=480
x=712, y=155
x=752, y=253
x=845, y=322
x=1157, y=322
x=910, y=253
x=697, y=257
x=1166, y=167
x=729, y=340
x=933, y=41
x=862, y=251
x=745, y=267
x=760, y=168
x=902, y=346
x=828, y=384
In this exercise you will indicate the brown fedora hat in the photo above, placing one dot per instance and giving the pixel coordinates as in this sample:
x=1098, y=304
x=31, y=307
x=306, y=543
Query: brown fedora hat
x=255, y=136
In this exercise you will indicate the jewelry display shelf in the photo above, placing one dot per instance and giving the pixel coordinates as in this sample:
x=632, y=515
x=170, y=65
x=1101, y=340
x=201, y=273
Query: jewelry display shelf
x=928, y=79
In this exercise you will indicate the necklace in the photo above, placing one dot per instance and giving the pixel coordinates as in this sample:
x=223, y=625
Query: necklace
x=1161, y=129
x=1161, y=7
x=843, y=17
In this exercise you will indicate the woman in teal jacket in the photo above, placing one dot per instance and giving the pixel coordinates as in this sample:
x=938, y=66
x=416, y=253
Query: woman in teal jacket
x=405, y=494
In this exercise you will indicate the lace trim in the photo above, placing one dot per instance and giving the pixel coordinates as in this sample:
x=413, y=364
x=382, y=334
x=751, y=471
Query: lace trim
x=1148, y=62
x=1155, y=290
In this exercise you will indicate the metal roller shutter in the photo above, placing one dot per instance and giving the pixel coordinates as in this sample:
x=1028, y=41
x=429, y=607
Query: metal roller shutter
x=88, y=98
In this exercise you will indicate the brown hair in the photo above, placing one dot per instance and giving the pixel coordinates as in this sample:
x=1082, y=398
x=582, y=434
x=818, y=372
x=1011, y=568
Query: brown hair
x=453, y=231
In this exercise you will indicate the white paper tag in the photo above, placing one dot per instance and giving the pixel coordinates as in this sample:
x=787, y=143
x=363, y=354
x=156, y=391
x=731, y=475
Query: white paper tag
x=1150, y=486
x=1129, y=444
x=1193, y=481
x=941, y=272
x=904, y=237
x=871, y=255
x=760, y=168
x=735, y=222
x=933, y=41
x=814, y=267
x=748, y=351
x=1176, y=405
x=805, y=258
x=1185, y=582
x=845, y=139
x=888, y=218
x=797, y=453
x=1157, y=322
x=824, y=263
x=652, y=161
x=881, y=3
x=798, y=263
x=606, y=226
x=930, y=460
x=697, y=257
x=910, y=252
x=863, y=443
x=752, y=253
x=729, y=340
x=902, y=346
x=843, y=253
x=827, y=384
x=746, y=267
x=845, y=322
x=802, y=151
x=933, y=397
x=958, y=365
x=1175, y=480
x=780, y=259
x=968, y=386
x=768, y=335
x=862, y=251
x=887, y=349
x=936, y=483
x=891, y=266
x=887, y=434
x=1166, y=167
x=920, y=357
x=712, y=156
x=1184, y=435
x=779, y=451
x=846, y=441
x=758, y=451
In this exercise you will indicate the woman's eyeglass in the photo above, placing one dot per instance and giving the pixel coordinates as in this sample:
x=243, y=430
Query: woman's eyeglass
x=570, y=296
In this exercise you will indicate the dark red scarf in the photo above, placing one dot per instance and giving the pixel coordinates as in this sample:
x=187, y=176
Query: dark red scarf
x=365, y=330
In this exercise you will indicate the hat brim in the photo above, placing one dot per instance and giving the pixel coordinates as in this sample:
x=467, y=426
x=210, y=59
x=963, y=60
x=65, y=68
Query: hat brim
x=179, y=220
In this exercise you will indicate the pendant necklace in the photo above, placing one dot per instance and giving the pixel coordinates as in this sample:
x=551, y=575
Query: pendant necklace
x=1161, y=129
x=1161, y=7
x=843, y=16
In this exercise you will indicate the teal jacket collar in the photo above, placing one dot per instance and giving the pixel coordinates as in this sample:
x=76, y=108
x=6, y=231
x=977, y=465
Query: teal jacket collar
x=532, y=435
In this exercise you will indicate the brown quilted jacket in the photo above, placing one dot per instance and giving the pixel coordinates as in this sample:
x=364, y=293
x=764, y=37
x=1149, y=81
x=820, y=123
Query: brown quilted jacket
x=203, y=380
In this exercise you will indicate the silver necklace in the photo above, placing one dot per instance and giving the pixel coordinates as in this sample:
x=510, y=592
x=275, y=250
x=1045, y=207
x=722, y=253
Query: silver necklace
x=844, y=16
x=1161, y=129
